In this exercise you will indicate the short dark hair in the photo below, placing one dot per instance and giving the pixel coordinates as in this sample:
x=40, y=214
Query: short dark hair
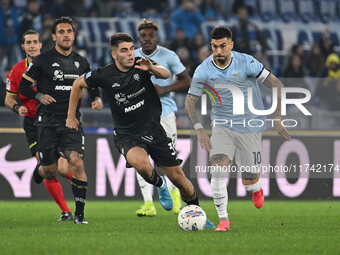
x=221, y=32
x=118, y=38
x=29, y=32
x=147, y=24
x=67, y=20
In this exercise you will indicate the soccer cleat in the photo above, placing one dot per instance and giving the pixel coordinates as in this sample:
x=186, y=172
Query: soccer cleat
x=209, y=224
x=79, y=220
x=164, y=196
x=176, y=200
x=147, y=209
x=66, y=216
x=36, y=176
x=223, y=226
x=258, y=198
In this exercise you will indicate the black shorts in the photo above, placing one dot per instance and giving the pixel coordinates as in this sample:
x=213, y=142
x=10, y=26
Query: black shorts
x=53, y=141
x=31, y=134
x=154, y=142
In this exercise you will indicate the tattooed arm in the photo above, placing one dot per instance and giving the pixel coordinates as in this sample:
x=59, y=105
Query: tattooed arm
x=202, y=137
x=273, y=82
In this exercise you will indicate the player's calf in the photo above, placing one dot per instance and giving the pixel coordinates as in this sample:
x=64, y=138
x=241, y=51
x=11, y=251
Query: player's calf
x=79, y=184
x=178, y=178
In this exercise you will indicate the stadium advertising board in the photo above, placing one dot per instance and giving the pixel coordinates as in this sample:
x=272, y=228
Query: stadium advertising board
x=306, y=167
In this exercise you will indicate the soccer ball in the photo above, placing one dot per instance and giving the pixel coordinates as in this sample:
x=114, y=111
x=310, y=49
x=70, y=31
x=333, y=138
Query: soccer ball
x=192, y=218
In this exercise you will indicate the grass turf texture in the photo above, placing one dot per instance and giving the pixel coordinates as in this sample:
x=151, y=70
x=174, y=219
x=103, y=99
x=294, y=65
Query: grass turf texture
x=277, y=228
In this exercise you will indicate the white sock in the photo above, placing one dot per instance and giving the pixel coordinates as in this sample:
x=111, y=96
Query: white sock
x=220, y=196
x=254, y=187
x=145, y=188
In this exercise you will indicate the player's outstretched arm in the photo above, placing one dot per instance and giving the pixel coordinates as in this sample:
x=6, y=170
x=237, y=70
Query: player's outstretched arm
x=183, y=82
x=157, y=70
x=78, y=84
x=202, y=137
x=273, y=82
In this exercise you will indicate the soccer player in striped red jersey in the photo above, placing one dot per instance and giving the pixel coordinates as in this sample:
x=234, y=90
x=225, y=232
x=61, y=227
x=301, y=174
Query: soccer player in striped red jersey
x=32, y=45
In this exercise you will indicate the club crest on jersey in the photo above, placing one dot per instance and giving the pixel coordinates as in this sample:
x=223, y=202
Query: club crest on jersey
x=121, y=98
x=55, y=64
x=58, y=75
x=136, y=77
x=116, y=84
x=76, y=63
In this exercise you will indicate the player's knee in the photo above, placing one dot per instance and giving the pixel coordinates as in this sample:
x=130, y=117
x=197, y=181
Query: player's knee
x=50, y=172
x=220, y=160
x=249, y=178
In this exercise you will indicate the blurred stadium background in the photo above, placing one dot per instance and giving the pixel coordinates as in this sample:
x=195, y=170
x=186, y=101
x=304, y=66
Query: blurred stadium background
x=298, y=40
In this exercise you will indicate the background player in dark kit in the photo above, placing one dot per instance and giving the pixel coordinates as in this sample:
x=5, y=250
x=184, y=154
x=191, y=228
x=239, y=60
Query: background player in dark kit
x=55, y=70
x=32, y=45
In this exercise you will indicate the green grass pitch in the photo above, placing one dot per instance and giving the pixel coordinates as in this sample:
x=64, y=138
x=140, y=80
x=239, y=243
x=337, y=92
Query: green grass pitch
x=285, y=227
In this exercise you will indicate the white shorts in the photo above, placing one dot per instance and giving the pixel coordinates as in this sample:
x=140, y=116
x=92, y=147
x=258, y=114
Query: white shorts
x=168, y=122
x=245, y=148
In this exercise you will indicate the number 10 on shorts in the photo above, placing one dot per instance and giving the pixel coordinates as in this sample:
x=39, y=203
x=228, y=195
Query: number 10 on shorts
x=257, y=157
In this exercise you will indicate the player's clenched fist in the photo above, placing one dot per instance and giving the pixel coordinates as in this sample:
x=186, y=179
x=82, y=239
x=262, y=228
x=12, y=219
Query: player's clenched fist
x=45, y=99
x=204, y=140
x=72, y=123
x=97, y=104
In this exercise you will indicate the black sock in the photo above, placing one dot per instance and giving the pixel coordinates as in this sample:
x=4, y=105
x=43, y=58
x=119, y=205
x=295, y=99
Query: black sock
x=192, y=200
x=155, y=179
x=79, y=191
x=36, y=176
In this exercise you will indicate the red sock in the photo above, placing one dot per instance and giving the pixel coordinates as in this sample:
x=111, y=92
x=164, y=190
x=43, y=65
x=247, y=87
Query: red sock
x=54, y=188
x=69, y=176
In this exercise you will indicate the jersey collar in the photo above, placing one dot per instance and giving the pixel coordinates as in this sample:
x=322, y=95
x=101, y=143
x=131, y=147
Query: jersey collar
x=26, y=62
x=231, y=60
x=149, y=56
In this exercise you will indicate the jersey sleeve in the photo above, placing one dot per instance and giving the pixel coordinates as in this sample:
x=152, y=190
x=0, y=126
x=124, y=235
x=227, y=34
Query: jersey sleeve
x=92, y=78
x=176, y=65
x=12, y=84
x=34, y=70
x=196, y=87
x=255, y=69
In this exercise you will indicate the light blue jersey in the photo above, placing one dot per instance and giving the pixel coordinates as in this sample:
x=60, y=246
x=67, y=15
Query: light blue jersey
x=169, y=60
x=242, y=73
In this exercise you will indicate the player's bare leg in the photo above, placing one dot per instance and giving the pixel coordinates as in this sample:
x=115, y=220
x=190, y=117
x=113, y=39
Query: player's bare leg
x=177, y=177
x=253, y=183
x=49, y=171
x=138, y=158
x=53, y=187
x=79, y=184
x=63, y=168
x=219, y=191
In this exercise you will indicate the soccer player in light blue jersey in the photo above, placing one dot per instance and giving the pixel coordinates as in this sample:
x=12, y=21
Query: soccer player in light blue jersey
x=148, y=39
x=236, y=130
